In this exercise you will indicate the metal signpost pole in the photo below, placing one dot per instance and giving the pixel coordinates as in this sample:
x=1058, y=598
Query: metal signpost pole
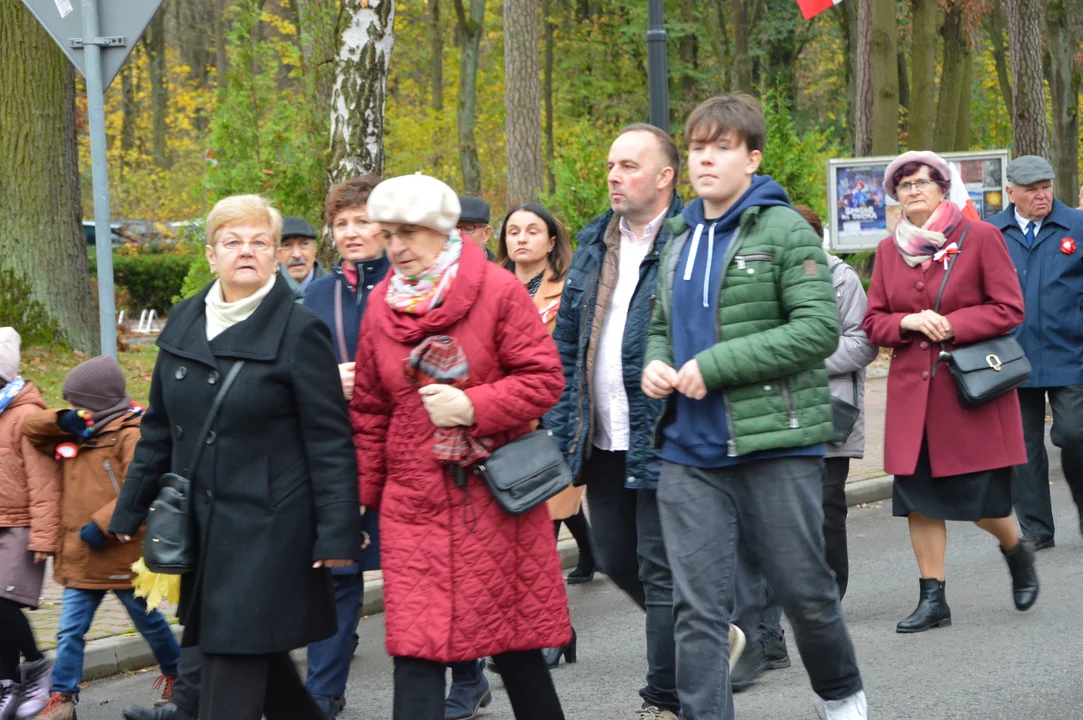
x=657, y=70
x=103, y=234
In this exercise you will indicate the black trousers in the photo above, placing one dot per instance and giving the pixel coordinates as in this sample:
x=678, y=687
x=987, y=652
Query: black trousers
x=1030, y=482
x=580, y=530
x=16, y=639
x=189, y=678
x=250, y=687
x=419, y=687
x=838, y=557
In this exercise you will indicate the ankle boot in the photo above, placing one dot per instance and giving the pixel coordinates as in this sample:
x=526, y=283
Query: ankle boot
x=1024, y=577
x=932, y=610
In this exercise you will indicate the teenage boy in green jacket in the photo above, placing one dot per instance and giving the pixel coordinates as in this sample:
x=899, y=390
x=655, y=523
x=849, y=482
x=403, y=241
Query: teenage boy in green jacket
x=744, y=319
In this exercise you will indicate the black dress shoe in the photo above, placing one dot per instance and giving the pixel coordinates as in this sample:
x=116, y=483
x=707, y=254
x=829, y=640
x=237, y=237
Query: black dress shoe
x=750, y=667
x=581, y=575
x=932, y=610
x=774, y=647
x=1024, y=578
x=1040, y=543
x=169, y=711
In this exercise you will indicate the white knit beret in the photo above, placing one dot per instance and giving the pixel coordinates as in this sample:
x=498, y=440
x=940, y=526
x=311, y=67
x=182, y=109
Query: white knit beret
x=415, y=200
x=9, y=354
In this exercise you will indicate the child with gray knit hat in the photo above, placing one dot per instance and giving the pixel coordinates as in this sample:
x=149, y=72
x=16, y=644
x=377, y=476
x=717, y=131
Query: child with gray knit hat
x=94, y=440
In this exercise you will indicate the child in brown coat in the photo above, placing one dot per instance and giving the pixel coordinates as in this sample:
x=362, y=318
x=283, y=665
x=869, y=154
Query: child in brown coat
x=94, y=441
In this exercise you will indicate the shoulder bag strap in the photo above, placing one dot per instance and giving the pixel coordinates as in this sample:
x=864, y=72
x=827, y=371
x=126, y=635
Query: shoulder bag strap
x=340, y=325
x=951, y=266
x=215, y=407
x=854, y=374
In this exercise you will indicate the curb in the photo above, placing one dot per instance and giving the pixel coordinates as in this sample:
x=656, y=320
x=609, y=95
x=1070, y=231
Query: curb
x=128, y=653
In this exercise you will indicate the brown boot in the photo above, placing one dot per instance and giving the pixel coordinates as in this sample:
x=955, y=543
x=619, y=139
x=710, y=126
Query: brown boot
x=61, y=706
x=165, y=683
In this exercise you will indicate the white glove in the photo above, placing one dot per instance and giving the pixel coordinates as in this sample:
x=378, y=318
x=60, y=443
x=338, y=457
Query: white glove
x=447, y=406
x=346, y=375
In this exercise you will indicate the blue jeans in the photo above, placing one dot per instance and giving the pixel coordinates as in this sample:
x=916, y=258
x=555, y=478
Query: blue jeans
x=329, y=660
x=77, y=614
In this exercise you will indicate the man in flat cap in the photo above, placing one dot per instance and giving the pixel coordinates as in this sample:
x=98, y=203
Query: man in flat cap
x=1045, y=238
x=297, y=255
x=474, y=222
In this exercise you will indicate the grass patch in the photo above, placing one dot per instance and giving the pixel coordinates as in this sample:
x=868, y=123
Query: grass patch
x=47, y=367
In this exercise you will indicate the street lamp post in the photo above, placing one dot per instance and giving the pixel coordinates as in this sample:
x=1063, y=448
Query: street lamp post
x=657, y=69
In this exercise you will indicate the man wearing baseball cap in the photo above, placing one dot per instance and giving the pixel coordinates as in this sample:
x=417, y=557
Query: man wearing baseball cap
x=1045, y=238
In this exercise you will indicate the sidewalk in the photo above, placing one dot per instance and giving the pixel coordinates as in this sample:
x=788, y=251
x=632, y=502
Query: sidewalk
x=112, y=621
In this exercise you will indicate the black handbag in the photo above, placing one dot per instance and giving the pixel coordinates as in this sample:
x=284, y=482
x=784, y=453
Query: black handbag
x=526, y=472
x=984, y=370
x=170, y=546
x=844, y=415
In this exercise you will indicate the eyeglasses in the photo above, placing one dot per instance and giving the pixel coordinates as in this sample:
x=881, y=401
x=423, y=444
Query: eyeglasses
x=918, y=185
x=405, y=233
x=470, y=229
x=257, y=246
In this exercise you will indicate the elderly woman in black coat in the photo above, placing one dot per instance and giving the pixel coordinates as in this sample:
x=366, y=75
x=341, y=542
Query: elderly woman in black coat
x=274, y=493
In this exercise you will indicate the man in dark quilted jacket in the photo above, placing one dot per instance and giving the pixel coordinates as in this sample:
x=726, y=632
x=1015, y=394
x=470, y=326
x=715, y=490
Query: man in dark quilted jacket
x=744, y=320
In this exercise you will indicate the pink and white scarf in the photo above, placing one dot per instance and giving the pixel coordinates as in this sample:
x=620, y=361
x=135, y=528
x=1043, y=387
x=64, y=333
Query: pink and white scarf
x=427, y=291
x=920, y=244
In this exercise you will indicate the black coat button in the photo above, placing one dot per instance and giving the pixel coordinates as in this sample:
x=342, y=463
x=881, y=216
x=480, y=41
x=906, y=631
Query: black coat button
x=181, y=372
x=211, y=437
x=178, y=431
x=212, y=378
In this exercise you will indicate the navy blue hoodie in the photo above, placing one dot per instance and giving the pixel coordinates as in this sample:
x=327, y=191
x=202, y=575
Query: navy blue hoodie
x=697, y=434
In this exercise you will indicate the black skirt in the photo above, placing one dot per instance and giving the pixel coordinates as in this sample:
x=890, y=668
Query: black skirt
x=970, y=497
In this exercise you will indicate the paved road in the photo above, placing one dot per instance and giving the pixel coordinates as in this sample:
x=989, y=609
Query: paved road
x=993, y=664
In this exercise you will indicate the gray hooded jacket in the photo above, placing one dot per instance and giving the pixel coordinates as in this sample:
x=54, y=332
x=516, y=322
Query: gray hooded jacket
x=852, y=355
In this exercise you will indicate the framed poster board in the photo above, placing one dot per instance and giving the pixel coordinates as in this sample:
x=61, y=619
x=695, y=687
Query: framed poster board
x=861, y=213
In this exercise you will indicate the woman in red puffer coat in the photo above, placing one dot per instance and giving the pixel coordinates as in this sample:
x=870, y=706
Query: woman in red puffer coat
x=462, y=578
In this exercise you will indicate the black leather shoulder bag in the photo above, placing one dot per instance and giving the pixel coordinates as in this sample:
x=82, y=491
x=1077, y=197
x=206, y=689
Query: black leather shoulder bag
x=984, y=370
x=170, y=546
x=526, y=472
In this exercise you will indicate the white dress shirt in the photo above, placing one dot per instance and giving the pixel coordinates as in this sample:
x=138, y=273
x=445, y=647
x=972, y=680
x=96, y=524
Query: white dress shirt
x=1023, y=222
x=611, y=423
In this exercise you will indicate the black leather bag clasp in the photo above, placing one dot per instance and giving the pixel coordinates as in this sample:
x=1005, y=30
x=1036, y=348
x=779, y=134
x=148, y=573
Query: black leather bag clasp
x=526, y=472
x=170, y=546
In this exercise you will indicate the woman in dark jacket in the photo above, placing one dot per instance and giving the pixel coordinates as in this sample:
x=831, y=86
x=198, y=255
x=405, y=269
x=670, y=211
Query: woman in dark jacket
x=949, y=462
x=274, y=495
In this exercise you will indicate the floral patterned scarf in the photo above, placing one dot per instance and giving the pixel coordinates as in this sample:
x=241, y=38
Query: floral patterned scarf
x=919, y=244
x=427, y=291
x=10, y=391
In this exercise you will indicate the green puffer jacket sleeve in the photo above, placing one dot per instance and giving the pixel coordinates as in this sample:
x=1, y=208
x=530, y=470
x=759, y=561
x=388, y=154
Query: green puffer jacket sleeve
x=658, y=344
x=810, y=331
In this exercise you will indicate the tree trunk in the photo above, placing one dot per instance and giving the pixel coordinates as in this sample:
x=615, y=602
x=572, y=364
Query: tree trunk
x=904, y=80
x=687, y=49
x=863, y=81
x=365, y=38
x=952, y=79
x=547, y=90
x=994, y=27
x=130, y=108
x=885, y=78
x=961, y=141
x=522, y=101
x=470, y=30
x=742, y=60
x=1064, y=84
x=923, y=75
x=221, y=38
x=41, y=236
x=159, y=93
x=436, y=43
x=1028, y=98
x=848, y=26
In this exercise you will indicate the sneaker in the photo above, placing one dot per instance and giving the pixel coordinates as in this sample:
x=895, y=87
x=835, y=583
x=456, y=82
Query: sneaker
x=61, y=706
x=164, y=683
x=11, y=695
x=330, y=706
x=466, y=699
x=37, y=682
x=774, y=647
x=737, y=645
x=851, y=708
x=750, y=668
x=652, y=712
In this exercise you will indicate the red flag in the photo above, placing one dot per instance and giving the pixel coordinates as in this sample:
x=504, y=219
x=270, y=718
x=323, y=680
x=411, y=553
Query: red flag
x=812, y=8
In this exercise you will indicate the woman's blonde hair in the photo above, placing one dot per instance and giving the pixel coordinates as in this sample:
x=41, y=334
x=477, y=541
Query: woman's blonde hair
x=243, y=209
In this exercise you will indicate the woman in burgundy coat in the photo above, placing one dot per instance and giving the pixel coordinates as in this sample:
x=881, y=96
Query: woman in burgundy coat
x=949, y=462
x=463, y=579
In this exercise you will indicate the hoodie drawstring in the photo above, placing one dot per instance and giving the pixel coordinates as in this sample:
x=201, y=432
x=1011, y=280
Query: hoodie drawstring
x=692, y=253
x=688, y=266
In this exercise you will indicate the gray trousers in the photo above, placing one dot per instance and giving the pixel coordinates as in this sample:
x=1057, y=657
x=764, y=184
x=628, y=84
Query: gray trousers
x=1030, y=482
x=772, y=508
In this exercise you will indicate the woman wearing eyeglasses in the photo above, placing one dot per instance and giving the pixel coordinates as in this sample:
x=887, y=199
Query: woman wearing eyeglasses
x=949, y=462
x=273, y=497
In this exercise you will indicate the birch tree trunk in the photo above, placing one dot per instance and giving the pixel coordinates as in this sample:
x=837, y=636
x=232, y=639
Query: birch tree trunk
x=522, y=100
x=885, y=78
x=923, y=75
x=365, y=38
x=41, y=235
x=1028, y=93
x=1064, y=86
